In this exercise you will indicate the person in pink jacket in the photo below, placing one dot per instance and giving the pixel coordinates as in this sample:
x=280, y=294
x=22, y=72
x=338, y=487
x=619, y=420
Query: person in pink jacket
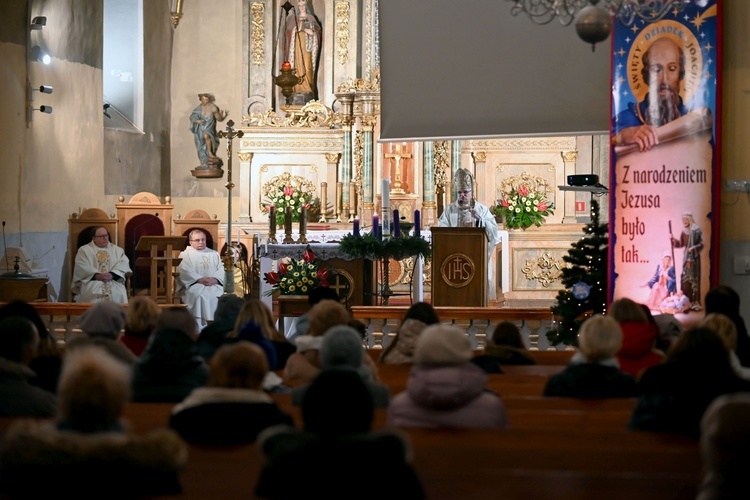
x=444, y=388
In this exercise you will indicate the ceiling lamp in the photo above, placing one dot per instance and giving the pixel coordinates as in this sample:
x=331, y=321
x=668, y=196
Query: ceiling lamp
x=593, y=18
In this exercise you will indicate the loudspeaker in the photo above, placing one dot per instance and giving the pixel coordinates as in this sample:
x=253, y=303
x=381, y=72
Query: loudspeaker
x=583, y=180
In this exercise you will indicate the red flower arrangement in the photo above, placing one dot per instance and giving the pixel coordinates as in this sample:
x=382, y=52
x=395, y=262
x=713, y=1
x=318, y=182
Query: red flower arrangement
x=298, y=277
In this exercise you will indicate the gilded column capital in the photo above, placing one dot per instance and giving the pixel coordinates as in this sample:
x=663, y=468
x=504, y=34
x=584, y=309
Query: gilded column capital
x=333, y=157
x=245, y=156
x=479, y=156
x=569, y=156
x=368, y=121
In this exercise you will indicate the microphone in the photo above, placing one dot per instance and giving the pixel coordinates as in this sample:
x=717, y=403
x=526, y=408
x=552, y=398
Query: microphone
x=5, y=245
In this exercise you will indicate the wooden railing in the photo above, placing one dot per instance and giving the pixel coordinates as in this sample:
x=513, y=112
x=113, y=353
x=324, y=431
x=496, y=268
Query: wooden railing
x=479, y=323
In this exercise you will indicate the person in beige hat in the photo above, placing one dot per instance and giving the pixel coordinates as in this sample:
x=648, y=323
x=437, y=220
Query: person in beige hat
x=444, y=388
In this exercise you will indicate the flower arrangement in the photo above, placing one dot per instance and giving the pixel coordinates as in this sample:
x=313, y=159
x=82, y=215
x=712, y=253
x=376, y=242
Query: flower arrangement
x=524, y=202
x=298, y=277
x=287, y=190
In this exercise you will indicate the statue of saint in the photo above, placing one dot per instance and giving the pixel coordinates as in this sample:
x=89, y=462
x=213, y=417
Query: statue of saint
x=303, y=40
x=203, y=125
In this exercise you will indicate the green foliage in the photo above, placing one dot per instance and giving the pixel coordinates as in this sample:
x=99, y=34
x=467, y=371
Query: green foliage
x=523, y=207
x=368, y=246
x=587, y=261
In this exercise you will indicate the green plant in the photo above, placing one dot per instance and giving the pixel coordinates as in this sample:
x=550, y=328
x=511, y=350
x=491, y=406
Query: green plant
x=369, y=246
x=298, y=277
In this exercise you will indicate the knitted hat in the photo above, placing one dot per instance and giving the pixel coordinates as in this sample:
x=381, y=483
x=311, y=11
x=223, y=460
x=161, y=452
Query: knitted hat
x=104, y=319
x=342, y=347
x=442, y=345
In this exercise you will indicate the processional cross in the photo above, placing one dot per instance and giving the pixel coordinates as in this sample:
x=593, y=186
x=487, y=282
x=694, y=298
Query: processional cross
x=230, y=133
x=398, y=154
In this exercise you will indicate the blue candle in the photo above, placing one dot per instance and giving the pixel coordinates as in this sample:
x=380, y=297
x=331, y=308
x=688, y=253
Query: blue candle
x=417, y=224
x=356, y=227
x=375, y=224
x=396, y=225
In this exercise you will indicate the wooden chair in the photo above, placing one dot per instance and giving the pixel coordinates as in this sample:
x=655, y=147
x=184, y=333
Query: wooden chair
x=80, y=226
x=198, y=219
x=143, y=215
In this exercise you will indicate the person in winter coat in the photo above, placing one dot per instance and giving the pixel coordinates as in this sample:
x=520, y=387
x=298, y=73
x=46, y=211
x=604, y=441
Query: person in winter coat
x=593, y=370
x=444, y=388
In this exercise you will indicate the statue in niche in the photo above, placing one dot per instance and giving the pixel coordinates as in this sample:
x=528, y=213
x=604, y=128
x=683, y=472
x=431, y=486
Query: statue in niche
x=203, y=125
x=303, y=42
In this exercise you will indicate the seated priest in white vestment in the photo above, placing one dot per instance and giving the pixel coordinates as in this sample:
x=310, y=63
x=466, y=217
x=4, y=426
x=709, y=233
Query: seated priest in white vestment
x=100, y=270
x=201, y=279
x=467, y=212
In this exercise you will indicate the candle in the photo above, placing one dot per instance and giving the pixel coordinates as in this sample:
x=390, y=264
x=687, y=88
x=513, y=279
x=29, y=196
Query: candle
x=356, y=227
x=288, y=220
x=386, y=194
x=339, y=191
x=303, y=220
x=375, y=224
x=417, y=224
x=324, y=198
x=396, y=225
x=272, y=219
x=352, y=197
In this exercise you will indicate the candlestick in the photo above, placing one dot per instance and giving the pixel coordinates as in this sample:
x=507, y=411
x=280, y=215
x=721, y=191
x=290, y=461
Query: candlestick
x=288, y=226
x=375, y=225
x=355, y=230
x=417, y=224
x=385, y=195
x=272, y=219
x=302, y=225
x=323, y=201
x=396, y=225
x=339, y=194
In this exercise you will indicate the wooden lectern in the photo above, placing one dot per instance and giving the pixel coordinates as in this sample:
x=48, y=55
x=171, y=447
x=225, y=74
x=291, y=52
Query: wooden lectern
x=163, y=261
x=459, y=266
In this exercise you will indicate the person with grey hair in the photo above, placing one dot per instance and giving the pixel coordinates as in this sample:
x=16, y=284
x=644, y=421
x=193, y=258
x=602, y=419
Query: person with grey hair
x=102, y=325
x=593, y=371
x=18, y=398
x=342, y=350
x=201, y=279
x=444, y=388
x=100, y=270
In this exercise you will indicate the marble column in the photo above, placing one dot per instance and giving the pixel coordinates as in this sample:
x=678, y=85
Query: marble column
x=246, y=160
x=569, y=213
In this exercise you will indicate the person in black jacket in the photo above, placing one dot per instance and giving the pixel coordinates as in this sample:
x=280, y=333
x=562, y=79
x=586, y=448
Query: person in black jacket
x=593, y=371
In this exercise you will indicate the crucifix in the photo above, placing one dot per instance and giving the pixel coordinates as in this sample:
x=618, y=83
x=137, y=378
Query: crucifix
x=398, y=154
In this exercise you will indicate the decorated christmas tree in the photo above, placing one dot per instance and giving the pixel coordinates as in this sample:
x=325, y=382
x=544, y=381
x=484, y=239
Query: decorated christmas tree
x=585, y=280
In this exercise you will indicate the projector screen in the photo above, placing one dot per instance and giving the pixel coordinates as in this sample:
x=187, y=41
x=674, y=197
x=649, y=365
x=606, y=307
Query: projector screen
x=468, y=69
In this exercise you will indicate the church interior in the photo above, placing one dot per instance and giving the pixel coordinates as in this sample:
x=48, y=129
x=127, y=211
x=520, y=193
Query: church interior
x=106, y=134
x=77, y=157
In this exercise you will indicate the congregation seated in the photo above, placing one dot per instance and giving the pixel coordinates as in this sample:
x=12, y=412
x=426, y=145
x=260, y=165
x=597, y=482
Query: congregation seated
x=401, y=347
x=215, y=334
x=639, y=335
x=170, y=367
x=593, y=371
x=200, y=282
x=100, y=270
x=505, y=347
x=47, y=361
x=316, y=295
x=328, y=457
x=87, y=452
x=725, y=448
x=304, y=365
x=278, y=349
x=18, y=398
x=444, y=388
x=232, y=407
x=725, y=327
x=674, y=395
x=102, y=325
x=140, y=322
x=723, y=299
x=342, y=350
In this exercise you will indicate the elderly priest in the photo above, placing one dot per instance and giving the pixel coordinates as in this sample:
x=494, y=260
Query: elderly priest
x=200, y=283
x=100, y=270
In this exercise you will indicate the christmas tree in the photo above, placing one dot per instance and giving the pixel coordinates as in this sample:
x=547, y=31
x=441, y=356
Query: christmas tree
x=585, y=280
